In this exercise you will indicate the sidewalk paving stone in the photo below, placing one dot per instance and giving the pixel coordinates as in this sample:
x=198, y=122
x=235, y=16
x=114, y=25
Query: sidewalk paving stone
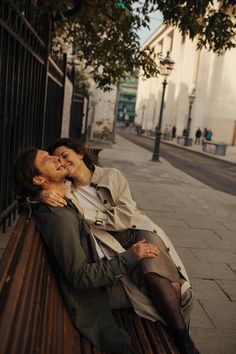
x=215, y=341
x=199, y=317
x=209, y=271
x=209, y=289
x=225, y=319
x=229, y=288
x=215, y=256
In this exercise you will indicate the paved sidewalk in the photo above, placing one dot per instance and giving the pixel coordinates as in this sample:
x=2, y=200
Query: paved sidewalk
x=201, y=222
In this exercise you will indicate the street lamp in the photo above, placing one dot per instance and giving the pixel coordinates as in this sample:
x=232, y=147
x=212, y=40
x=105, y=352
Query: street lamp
x=166, y=67
x=143, y=110
x=191, y=100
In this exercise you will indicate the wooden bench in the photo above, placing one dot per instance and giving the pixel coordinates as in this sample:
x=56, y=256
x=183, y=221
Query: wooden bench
x=33, y=318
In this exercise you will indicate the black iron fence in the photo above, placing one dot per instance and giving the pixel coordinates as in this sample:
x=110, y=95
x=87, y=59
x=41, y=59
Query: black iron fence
x=31, y=90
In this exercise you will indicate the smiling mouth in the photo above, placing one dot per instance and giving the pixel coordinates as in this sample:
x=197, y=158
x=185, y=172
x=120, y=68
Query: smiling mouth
x=67, y=166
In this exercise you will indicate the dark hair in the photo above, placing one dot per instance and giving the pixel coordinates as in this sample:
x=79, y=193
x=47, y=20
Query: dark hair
x=78, y=147
x=24, y=171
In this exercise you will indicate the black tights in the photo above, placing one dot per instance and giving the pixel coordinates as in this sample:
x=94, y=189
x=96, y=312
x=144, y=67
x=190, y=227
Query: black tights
x=166, y=301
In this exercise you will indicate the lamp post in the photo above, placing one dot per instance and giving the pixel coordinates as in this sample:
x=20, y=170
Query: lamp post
x=166, y=67
x=143, y=110
x=191, y=100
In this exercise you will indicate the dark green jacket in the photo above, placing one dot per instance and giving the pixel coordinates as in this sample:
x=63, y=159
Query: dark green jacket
x=83, y=277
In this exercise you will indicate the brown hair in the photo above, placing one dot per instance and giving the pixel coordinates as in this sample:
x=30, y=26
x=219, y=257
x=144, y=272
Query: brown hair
x=24, y=171
x=78, y=147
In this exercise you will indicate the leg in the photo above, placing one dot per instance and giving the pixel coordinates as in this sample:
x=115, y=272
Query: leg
x=166, y=301
x=164, y=289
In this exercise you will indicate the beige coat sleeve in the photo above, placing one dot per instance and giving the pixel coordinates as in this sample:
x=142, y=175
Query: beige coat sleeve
x=120, y=207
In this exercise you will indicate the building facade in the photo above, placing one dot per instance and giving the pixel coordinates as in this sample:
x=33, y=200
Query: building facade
x=126, y=98
x=212, y=78
x=101, y=114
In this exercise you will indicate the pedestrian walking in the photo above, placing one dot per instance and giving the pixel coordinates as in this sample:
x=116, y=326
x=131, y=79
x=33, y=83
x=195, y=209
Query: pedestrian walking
x=173, y=133
x=209, y=135
x=198, y=135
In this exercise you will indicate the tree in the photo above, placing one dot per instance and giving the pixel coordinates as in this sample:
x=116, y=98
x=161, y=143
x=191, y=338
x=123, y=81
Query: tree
x=104, y=33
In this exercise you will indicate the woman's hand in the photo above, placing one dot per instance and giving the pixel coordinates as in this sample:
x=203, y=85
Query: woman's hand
x=52, y=198
x=143, y=250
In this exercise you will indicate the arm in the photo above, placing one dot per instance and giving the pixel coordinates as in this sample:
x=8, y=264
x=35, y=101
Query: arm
x=118, y=216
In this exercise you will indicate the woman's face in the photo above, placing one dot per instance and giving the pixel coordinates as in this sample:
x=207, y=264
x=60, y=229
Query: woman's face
x=69, y=159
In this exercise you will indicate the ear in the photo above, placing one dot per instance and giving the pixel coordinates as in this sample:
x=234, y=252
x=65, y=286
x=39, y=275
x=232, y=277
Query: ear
x=38, y=180
x=81, y=156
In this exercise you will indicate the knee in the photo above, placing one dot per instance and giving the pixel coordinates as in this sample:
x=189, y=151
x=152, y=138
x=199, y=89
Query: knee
x=177, y=288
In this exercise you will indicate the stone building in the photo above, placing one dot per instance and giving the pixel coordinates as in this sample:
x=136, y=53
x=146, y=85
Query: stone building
x=126, y=97
x=212, y=77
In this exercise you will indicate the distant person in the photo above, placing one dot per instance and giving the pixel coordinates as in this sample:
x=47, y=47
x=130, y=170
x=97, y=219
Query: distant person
x=198, y=135
x=184, y=132
x=173, y=133
x=139, y=129
x=209, y=135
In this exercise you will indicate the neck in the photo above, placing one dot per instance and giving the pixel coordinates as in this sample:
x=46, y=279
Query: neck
x=83, y=176
x=56, y=187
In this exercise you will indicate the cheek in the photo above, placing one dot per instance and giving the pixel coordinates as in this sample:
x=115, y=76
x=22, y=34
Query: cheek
x=62, y=160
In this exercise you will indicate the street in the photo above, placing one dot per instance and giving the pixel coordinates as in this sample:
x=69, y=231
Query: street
x=217, y=174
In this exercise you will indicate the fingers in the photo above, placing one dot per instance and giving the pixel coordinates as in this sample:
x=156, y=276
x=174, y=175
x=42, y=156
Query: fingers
x=57, y=200
x=57, y=204
x=145, y=250
x=53, y=198
x=140, y=242
x=150, y=248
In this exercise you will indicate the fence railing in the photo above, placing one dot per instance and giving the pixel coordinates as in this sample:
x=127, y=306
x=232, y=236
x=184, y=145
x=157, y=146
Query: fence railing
x=31, y=90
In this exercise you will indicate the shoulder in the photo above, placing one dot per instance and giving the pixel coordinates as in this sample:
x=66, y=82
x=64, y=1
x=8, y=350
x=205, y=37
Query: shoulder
x=112, y=172
x=55, y=215
x=104, y=175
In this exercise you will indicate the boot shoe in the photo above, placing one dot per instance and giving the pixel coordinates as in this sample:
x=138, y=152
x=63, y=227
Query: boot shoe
x=185, y=344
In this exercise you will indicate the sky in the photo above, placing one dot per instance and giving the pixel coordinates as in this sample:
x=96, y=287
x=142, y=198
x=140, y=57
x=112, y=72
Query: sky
x=155, y=22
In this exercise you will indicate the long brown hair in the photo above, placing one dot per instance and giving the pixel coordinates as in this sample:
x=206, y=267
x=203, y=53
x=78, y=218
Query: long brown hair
x=78, y=147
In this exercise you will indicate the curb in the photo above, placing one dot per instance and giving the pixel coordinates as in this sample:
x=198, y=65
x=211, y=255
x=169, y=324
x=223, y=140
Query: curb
x=189, y=149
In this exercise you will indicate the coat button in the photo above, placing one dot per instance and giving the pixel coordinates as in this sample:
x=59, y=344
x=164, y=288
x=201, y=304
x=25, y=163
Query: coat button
x=155, y=231
x=179, y=268
x=133, y=226
x=168, y=249
x=105, y=201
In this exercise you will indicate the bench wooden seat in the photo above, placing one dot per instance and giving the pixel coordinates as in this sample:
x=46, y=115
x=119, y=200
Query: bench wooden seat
x=33, y=318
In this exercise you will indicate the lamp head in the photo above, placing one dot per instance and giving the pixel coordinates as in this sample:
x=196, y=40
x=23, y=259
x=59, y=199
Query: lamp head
x=192, y=97
x=167, y=65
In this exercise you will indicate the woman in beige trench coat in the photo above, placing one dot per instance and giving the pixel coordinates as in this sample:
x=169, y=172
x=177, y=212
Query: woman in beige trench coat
x=103, y=196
